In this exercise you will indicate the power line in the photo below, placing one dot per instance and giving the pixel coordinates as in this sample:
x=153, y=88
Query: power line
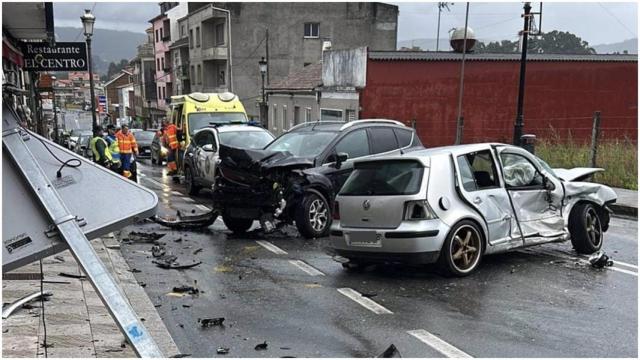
x=618, y=20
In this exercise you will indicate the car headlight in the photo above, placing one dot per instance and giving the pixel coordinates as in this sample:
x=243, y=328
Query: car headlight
x=163, y=151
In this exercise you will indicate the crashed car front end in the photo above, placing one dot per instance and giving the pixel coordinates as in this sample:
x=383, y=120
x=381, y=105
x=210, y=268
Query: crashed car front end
x=259, y=184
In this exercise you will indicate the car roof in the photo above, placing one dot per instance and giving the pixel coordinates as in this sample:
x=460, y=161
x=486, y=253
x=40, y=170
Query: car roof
x=337, y=126
x=424, y=154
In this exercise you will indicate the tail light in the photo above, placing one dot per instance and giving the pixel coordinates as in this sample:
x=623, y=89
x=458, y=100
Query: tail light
x=336, y=211
x=418, y=210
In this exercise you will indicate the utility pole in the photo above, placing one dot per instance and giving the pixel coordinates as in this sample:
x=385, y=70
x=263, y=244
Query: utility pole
x=441, y=5
x=460, y=119
x=517, y=129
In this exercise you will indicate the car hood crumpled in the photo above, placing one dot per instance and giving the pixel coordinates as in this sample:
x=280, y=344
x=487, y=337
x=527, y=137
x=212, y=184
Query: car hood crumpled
x=576, y=174
x=597, y=193
x=248, y=166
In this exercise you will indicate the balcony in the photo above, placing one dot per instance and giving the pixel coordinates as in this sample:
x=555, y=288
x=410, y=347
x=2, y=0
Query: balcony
x=214, y=53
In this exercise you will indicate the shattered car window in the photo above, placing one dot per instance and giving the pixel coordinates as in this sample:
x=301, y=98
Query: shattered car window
x=246, y=139
x=518, y=171
x=384, y=178
x=303, y=144
x=546, y=167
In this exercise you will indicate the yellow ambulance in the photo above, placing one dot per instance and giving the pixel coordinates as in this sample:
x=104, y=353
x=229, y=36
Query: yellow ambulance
x=195, y=111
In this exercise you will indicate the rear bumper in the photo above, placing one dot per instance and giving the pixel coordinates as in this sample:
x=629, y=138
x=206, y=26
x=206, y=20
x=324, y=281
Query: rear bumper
x=412, y=242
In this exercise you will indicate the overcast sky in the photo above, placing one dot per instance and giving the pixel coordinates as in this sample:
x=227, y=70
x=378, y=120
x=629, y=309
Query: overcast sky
x=595, y=22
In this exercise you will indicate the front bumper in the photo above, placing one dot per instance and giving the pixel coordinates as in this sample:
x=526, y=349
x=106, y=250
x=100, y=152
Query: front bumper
x=417, y=242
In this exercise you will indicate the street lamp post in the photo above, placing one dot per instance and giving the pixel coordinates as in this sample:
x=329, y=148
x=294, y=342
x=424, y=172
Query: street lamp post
x=263, y=105
x=149, y=111
x=55, y=111
x=87, y=22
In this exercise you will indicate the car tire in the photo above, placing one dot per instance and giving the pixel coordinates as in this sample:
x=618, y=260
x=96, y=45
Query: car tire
x=236, y=225
x=313, y=218
x=463, y=239
x=585, y=228
x=190, y=182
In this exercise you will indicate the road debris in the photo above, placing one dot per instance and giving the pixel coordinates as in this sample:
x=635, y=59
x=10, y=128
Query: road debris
x=222, y=351
x=186, y=289
x=262, y=346
x=59, y=258
x=143, y=237
x=7, y=311
x=369, y=295
x=197, y=251
x=189, y=221
x=73, y=276
x=211, y=322
x=391, y=352
x=180, y=355
x=175, y=265
x=600, y=260
x=158, y=250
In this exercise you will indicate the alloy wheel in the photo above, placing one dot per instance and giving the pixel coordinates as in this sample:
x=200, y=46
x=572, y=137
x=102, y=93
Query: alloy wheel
x=318, y=215
x=594, y=230
x=465, y=248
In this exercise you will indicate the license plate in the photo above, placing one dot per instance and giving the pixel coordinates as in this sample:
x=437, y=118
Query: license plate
x=147, y=151
x=364, y=238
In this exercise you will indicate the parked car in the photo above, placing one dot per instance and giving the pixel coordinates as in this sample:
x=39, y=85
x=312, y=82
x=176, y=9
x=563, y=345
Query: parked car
x=75, y=136
x=158, y=151
x=201, y=156
x=293, y=179
x=82, y=147
x=144, y=139
x=454, y=204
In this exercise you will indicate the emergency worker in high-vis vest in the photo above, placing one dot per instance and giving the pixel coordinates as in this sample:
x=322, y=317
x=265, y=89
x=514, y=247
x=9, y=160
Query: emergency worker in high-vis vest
x=100, y=149
x=170, y=138
x=114, y=148
x=128, y=146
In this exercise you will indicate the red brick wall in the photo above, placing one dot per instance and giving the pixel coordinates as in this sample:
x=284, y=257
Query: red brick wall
x=563, y=95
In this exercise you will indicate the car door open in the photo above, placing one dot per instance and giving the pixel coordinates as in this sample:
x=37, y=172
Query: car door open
x=536, y=197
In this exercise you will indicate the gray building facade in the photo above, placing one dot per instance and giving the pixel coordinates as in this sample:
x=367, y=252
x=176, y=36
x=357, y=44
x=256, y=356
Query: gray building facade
x=289, y=36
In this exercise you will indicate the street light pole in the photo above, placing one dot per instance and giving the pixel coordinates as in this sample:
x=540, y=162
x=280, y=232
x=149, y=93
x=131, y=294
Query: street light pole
x=263, y=105
x=55, y=111
x=517, y=129
x=87, y=22
x=149, y=111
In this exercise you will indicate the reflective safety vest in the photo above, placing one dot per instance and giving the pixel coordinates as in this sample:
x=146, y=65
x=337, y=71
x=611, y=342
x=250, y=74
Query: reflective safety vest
x=114, y=148
x=94, y=149
x=126, y=143
x=171, y=134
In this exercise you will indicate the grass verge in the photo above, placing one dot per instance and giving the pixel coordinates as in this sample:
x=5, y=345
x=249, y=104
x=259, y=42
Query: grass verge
x=619, y=158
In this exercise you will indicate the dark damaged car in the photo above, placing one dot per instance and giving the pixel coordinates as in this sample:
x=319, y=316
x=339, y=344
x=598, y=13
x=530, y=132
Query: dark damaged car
x=294, y=179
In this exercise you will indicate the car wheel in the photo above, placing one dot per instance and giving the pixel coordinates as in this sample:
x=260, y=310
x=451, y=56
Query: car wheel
x=236, y=225
x=462, y=250
x=313, y=219
x=189, y=182
x=585, y=227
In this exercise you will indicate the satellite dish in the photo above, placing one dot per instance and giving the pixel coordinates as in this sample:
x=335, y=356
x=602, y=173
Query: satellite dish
x=456, y=39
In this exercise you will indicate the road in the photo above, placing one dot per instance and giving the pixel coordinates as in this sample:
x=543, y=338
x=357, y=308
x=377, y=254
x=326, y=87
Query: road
x=539, y=302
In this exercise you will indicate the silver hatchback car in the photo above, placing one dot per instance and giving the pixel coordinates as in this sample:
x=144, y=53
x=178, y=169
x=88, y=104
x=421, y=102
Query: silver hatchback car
x=454, y=204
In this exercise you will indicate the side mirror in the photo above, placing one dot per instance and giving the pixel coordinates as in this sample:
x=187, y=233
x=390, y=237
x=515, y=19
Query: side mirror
x=208, y=148
x=337, y=159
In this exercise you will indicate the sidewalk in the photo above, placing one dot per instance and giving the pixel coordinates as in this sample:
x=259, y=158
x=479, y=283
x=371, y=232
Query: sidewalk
x=627, y=203
x=78, y=324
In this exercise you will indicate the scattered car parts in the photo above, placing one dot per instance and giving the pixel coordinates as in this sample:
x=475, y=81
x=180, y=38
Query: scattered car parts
x=6, y=312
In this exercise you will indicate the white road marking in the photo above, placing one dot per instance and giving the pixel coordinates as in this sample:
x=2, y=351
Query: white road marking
x=176, y=193
x=438, y=344
x=190, y=200
x=202, y=207
x=155, y=182
x=364, y=301
x=582, y=259
x=141, y=174
x=306, y=268
x=269, y=246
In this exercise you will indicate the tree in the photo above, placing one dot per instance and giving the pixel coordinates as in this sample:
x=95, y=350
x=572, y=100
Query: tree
x=504, y=46
x=559, y=42
x=114, y=68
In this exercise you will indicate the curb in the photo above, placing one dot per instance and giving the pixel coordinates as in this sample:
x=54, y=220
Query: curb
x=624, y=211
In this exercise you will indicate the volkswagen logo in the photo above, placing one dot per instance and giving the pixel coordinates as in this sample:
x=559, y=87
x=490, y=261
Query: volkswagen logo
x=366, y=204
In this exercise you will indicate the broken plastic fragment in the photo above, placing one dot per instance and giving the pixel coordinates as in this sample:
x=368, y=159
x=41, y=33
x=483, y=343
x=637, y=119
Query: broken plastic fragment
x=262, y=346
x=186, y=289
x=391, y=352
x=600, y=260
x=211, y=322
x=222, y=351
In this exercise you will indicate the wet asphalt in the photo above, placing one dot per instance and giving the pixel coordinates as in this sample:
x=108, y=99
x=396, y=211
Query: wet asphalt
x=539, y=302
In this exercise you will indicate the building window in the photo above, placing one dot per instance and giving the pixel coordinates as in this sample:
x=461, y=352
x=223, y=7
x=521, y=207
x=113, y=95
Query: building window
x=285, y=124
x=199, y=75
x=157, y=36
x=296, y=115
x=274, y=117
x=182, y=34
x=192, y=75
x=159, y=92
x=198, y=36
x=351, y=115
x=164, y=92
x=162, y=61
x=219, y=34
x=161, y=34
x=190, y=38
x=221, y=78
x=158, y=61
x=312, y=30
x=331, y=114
x=307, y=114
